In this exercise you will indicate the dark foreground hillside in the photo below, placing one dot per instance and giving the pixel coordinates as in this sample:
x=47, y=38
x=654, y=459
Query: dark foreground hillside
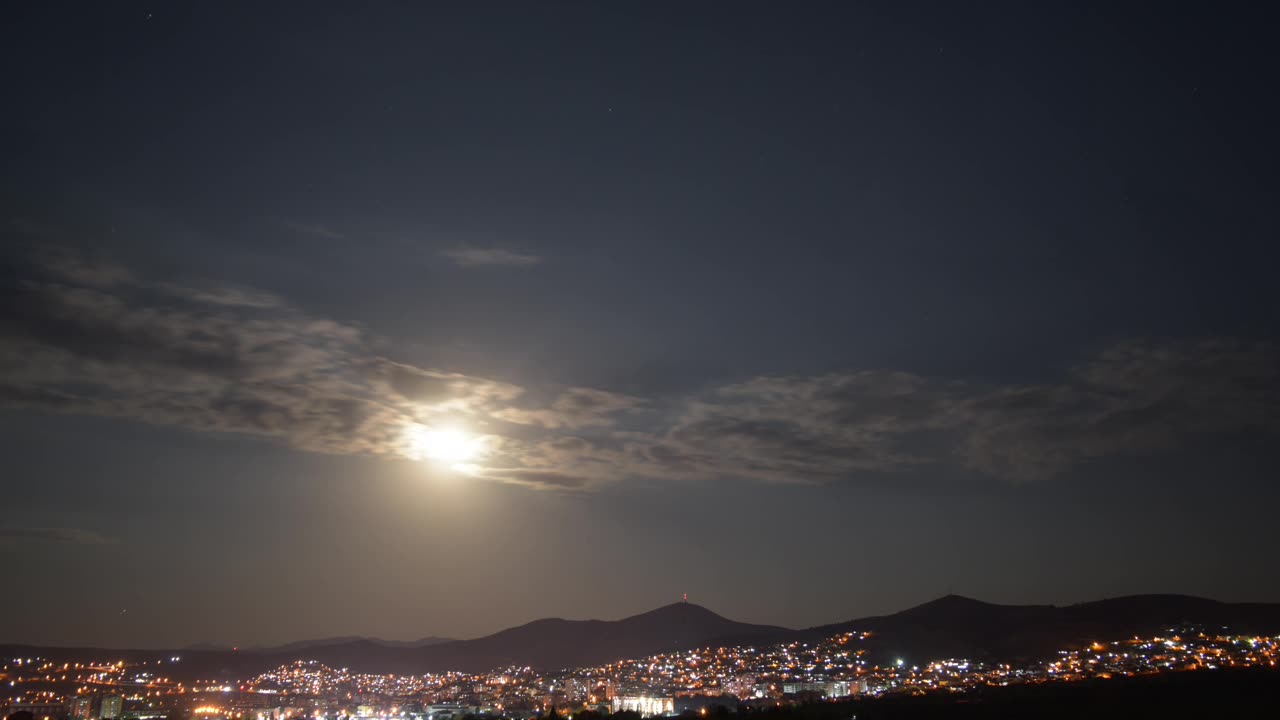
x=1247, y=693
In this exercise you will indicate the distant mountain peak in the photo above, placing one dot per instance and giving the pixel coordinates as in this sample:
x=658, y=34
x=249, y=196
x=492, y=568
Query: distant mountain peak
x=947, y=604
x=953, y=598
x=964, y=598
x=685, y=608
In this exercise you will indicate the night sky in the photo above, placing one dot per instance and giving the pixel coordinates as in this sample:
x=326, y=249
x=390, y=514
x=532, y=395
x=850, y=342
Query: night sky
x=810, y=311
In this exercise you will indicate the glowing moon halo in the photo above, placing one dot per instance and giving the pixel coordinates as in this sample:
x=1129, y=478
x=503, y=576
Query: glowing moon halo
x=451, y=446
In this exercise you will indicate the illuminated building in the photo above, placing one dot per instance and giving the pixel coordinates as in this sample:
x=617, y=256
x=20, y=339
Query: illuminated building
x=445, y=710
x=740, y=685
x=646, y=706
x=111, y=707
x=826, y=689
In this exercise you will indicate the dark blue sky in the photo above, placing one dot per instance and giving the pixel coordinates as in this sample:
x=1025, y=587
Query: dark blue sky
x=811, y=312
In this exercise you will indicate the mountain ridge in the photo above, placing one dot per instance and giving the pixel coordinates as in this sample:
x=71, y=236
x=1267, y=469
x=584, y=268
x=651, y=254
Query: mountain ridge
x=957, y=626
x=543, y=643
x=949, y=626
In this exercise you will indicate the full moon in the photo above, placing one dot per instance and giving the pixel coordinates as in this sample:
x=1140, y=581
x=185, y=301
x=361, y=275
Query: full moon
x=446, y=445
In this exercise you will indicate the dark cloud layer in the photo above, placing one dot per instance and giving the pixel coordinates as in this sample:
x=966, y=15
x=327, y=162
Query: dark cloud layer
x=92, y=337
x=1134, y=397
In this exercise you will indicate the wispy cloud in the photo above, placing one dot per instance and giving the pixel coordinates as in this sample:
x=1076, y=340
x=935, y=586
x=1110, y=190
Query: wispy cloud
x=80, y=336
x=1137, y=396
x=228, y=295
x=574, y=408
x=1132, y=398
x=490, y=257
x=217, y=360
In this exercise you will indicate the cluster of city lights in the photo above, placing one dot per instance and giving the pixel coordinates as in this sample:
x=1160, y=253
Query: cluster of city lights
x=836, y=667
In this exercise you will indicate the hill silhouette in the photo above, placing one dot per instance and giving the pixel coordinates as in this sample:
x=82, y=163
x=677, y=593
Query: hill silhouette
x=545, y=644
x=557, y=643
x=957, y=626
x=948, y=627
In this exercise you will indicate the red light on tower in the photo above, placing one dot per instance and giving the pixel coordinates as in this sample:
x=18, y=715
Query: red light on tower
x=686, y=597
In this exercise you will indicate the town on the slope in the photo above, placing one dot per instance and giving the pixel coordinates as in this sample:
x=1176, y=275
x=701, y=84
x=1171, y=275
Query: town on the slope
x=688, y=682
